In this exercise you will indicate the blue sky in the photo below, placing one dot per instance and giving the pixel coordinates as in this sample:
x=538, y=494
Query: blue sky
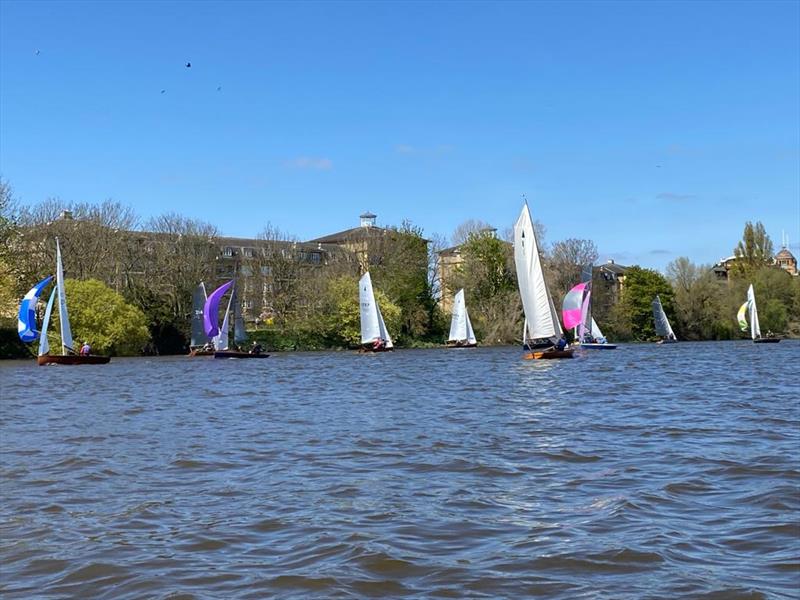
x=655, y=129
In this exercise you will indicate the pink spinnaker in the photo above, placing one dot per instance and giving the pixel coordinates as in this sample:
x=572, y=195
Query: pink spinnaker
x=571, y=308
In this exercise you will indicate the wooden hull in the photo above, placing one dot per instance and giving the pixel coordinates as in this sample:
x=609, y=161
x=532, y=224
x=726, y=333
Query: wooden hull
x=235, y=354
x=767, y=340
x=71, y=359
x=599, y=346
x=199, y=352
x=548, y=354
x=458, y=345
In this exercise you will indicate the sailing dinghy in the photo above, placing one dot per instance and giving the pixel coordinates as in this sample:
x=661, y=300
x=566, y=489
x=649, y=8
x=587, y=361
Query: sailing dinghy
x=576, y=311
x=461, y=333
x=200, y=344
x=374, y=336
x=663, y=328
x=542, y=327
x=748, y=309
x=26, y=324
x=218, y=334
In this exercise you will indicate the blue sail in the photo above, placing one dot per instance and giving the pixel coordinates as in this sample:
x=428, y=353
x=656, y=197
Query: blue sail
x=26, y=325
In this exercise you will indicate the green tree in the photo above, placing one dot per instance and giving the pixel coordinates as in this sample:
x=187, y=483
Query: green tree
x=633, y=316
x=774, y=317
x=341, y=322
x=755, y=250
x=101, y=316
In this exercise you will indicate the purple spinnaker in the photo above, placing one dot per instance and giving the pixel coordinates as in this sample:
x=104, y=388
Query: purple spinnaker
x=211, y=309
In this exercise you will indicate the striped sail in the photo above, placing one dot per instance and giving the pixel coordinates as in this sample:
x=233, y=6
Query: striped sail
x=26, y=322
x=571, y=307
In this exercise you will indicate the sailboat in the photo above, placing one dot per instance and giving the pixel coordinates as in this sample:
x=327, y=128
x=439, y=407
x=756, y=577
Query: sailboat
x=576, y=312
x=748, y=309
x=26, y=324
x=219, y=334
x=663, y=328
x=200, y=344
x=461, y=333
x=374, y=336
x=541, y=322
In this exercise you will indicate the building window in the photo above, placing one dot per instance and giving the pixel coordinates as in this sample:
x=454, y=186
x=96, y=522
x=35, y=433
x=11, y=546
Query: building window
x=227, y=252
x=247, y=304
x=246, y=270
x=266, y=270
x=316, y=257
x=249, y=252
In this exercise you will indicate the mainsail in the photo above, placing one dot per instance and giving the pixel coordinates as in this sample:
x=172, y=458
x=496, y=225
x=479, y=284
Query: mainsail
x=372, y=324
x=199, y=337
x=460, y=325
x=239, y=332
x=663, y=327
x=66, y=331
x=536, y=301
x=755, y=329
x=26, y=323
x=211, y=310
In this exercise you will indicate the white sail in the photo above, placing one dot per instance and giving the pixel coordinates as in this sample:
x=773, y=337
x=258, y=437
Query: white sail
x=663, y=328
x=540, y=314
x=755, y=329
x=596, y=333
x=387, y=340
x=458, y=322
x=370, y=328
x=221, y=339
x=66, y=331
x=471, y=339
x=44, y=344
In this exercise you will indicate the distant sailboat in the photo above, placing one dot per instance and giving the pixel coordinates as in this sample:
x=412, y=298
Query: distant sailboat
x=219, y=334
x=26, y=324
x=663, y=328
x=541, y=327
x=748, y=309
x=461, y=333
x=374, y=336
x=576, y=312
x=200, y=344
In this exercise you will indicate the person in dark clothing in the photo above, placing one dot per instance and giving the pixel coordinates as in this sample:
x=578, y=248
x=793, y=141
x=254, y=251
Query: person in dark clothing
x=562, y=342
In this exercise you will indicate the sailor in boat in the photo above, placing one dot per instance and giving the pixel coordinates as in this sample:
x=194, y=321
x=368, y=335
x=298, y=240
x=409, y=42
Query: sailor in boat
x=256, y=348
x=561, y=343
x=377, y=344
x=86, y=349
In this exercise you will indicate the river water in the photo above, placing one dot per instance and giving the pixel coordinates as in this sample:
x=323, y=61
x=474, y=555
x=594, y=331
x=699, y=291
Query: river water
x=645, y=472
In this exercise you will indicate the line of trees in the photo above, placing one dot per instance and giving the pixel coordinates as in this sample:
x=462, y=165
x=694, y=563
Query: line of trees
x=145, y=273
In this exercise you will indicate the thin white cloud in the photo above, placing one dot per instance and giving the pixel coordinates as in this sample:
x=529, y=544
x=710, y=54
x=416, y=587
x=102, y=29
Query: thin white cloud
x=659, y=251
x=309, y=163
x=404, y=149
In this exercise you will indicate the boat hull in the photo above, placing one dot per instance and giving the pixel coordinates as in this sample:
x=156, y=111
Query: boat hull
x=548, y=354
x=661, y=342
x=235, y=354
x=767, y=341
x=199, y=352
x=461, y=345
x=363, y=350
x=71, y=359
x=599, y=346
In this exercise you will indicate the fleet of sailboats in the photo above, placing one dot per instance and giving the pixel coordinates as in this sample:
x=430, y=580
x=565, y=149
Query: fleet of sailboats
x=663, y=328
x=542, y=328
x=749, y=310
x=461, y=333
x=219, y=334
x=542, y=337
x=26, y=323
x=374, y=336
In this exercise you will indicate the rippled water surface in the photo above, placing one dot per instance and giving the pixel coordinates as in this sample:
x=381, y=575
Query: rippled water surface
x=646, y=472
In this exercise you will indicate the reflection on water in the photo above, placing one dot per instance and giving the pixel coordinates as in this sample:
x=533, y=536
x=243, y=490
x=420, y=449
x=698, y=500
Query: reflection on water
x=643, y=472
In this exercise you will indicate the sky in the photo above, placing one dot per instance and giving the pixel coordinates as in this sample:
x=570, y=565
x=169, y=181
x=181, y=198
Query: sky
x=655, y=129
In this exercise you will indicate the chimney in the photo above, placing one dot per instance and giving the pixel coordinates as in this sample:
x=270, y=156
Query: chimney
x=66, y=215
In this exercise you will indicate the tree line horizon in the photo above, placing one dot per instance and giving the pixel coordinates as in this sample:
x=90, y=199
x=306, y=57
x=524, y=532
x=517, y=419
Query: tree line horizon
x=148, y=288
